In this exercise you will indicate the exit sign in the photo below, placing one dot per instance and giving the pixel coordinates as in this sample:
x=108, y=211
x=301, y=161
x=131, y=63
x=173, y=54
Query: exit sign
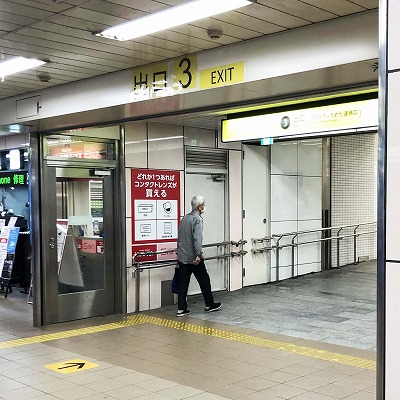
x=17, y=178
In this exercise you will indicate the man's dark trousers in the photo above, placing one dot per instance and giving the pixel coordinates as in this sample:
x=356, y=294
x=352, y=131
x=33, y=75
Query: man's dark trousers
x=201, y=274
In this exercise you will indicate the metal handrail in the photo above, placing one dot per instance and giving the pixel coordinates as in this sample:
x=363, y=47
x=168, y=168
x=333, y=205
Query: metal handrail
x=220, y=244
x=293, y=245
x=139, y=266
x=281, y=235
x=340, y=227
x=167, y=263
x=261, y=240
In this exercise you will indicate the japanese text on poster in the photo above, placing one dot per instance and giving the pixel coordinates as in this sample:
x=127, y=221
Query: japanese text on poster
x=155, y=209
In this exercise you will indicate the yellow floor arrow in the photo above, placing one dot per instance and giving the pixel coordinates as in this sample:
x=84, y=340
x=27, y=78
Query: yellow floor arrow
x=71, y=366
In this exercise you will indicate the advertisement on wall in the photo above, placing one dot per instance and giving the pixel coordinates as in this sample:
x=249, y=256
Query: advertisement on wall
x=155, y=200
x=8, y=245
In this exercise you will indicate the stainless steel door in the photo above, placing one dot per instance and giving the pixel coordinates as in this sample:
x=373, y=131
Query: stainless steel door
x=78, y=244
x=213, y=189
x=256, y=223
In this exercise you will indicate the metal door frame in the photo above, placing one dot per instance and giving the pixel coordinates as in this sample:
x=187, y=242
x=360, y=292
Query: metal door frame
x=224, y=177
x=213, y=163
x=36, y=172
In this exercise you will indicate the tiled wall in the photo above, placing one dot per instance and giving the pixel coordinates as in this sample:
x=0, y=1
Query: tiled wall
x=353, y=193
x=296, y=193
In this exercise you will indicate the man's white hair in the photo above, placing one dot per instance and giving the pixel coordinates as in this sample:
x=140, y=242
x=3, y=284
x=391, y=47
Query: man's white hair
x=197, y=201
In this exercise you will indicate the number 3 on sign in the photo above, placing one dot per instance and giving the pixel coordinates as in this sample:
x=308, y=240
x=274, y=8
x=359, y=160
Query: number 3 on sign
x=185, y=73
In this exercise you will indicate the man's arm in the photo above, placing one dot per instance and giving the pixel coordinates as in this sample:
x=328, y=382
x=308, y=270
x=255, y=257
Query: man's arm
x=197, y=241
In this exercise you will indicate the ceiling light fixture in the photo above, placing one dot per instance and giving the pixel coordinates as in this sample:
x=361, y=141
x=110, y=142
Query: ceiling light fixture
x=18, y=64
x=171, y=17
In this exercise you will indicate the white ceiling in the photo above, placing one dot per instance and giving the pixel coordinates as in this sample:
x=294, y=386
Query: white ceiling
x=62, y=32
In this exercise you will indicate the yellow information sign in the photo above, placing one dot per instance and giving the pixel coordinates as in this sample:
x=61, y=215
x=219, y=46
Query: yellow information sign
x=356, y=115
x=149, y=79
x=222, y=75
x=71, y=366
x=164, y=79
x=185, y=73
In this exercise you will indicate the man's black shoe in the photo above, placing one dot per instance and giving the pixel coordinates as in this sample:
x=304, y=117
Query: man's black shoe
x=182, y=313
x=213, y=307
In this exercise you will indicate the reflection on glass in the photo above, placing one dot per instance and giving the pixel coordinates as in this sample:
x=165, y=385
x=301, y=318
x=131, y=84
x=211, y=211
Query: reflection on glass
x=80, y=235
x=78, y=148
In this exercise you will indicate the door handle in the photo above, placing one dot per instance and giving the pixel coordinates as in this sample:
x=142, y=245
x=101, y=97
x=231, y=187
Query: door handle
x=52, y=243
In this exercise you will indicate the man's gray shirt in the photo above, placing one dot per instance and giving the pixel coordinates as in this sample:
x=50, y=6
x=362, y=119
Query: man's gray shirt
x=190, y=238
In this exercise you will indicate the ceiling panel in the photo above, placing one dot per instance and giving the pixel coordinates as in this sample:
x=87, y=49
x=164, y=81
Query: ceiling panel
x=68, y=44
x=300, y=9
x=45, y=5
x=15, y=20
x=61, y=31
x=148, y=6
x=22, y=11
x=368, y=4
x=241, y=26
x=337, y=7
x=277, y=17
x=119, y=10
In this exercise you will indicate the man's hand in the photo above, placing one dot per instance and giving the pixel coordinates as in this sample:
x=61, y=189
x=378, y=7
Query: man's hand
x=196, y=260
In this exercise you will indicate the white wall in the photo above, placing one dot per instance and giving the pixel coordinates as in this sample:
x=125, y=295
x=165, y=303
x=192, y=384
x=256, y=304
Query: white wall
x=354, y=193
x=296, y=193
x=154, y=146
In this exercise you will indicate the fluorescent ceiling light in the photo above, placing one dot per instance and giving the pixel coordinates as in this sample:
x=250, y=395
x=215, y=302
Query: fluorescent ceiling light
x=171, y=17
x=18, y=64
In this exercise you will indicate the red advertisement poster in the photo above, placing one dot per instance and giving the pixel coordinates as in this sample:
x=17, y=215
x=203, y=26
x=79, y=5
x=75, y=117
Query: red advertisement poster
x=155, y=200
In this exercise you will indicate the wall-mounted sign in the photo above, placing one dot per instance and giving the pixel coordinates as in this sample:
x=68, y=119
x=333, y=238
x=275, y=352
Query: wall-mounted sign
x=8, y=179
x=222, y=75
x=164, y=79
x=336, y=117
x=180, y=76
x=155, y=198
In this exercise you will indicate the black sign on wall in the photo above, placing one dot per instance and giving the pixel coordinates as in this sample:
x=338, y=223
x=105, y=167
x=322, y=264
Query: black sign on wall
x=17, y=178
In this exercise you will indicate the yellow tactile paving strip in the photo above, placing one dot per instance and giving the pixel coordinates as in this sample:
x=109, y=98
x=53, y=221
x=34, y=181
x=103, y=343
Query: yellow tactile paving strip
x=202, y=330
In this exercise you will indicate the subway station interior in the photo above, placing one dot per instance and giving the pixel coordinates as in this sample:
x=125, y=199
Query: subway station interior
x=282, y=115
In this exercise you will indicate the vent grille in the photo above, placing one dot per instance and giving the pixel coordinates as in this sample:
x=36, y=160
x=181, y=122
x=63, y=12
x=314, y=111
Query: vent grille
x=208, y=159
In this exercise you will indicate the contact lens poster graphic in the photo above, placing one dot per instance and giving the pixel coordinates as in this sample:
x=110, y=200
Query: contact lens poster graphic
x=155, y=198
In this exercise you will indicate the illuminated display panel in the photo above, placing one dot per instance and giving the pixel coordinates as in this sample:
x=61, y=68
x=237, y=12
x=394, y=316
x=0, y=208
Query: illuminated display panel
x=10, y=179
x=336, y=117
x=78, y=148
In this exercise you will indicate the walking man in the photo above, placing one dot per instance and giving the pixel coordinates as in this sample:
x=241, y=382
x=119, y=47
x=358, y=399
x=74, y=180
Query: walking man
x=190, y=258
